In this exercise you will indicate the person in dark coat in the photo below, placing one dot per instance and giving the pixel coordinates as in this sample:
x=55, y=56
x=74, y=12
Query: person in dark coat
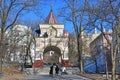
x=57, y=70
x=51, y=70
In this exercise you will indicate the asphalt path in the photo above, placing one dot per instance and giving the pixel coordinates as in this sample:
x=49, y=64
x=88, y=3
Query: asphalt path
x=57, y=77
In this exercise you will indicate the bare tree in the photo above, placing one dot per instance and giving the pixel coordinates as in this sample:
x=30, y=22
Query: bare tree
x=20, y=43
x=105, y=14
x=10, y=11
x=74, y=11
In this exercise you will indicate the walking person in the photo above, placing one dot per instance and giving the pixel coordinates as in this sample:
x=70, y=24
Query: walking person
x=63, y=70
x=54, y=69
x=51, y=71
x=57, y=70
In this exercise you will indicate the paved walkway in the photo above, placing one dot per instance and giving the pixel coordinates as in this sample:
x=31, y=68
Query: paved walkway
x=59, y=77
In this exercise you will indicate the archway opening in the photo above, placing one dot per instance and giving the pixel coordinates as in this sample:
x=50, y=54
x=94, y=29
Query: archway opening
x=51, y=54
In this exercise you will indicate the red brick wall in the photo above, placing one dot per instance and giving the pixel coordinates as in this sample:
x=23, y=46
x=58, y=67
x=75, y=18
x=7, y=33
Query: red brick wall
x=38, y=64
x=65, y=63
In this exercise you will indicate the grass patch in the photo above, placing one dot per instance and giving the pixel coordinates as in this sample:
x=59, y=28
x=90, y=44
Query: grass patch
x=11, y=73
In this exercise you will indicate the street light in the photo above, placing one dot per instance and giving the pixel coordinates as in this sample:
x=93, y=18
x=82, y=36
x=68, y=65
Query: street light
x=106, y=67
x=105, y=55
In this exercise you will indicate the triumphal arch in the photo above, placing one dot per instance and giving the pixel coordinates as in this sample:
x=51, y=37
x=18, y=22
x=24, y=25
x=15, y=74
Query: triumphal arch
x=52, y=42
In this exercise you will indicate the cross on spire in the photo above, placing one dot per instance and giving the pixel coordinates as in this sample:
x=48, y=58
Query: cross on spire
x=51, y=5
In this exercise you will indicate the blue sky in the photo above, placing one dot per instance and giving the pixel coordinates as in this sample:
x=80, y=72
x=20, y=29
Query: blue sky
x=44, y=11
x=57, y=5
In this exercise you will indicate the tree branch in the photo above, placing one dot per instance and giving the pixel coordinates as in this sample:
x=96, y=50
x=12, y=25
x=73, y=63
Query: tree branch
x=16, y=17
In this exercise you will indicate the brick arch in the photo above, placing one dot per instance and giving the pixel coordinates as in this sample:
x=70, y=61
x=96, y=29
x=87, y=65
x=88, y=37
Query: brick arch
x=52, y=48
x=43, y=48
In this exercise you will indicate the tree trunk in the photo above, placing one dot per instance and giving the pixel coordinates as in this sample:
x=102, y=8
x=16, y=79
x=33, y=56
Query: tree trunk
x=96, y=66
x=1, y=64
x=79, y=47
x=81, y=60
x=113, y=53
x=113, y=69
x=1, y=47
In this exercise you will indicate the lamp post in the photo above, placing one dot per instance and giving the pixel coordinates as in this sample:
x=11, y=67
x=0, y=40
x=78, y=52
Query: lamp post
x=106, y=67
x=118, y=49
x=119, y=42
x=105, y=59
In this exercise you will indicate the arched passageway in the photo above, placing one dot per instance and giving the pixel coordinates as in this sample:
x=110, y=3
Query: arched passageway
x=51, y=54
